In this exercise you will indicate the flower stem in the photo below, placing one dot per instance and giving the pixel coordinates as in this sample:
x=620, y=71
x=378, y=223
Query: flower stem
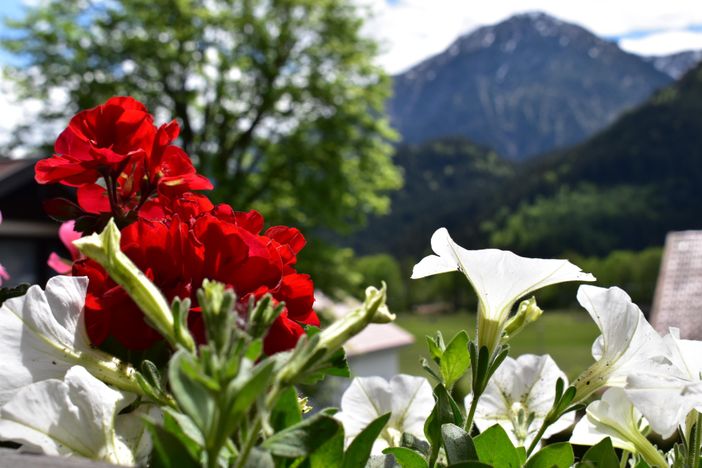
x=625, y=459
x=693, y=449
x=648, y=451
x=111, y=188
x=537, y=438
x=468, y=426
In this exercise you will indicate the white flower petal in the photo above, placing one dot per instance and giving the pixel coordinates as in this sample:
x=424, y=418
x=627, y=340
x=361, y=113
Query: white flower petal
x=409, y=400
x=41, y=333
x=669, y=389
x=628, y=343
x=73, y=416
x=432, y=265
x=528, y=384
x=499, y=277
x=690, y=355
x=366, y=399
x=661, y=400
x=412, y=401
x=132, y=431
x=613, y=416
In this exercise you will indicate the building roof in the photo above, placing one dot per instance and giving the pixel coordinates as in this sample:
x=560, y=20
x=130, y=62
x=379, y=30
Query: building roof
x=14, y=173
x=678, y=298
x=375, y=337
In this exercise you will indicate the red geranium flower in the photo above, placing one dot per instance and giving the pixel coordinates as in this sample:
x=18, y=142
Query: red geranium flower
x=192, y=243
x=99, y=142
x=119, y=160
x=125, y=167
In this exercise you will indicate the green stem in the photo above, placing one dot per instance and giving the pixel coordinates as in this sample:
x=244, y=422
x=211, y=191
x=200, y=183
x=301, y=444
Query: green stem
x=468, y=426
x=693, y=449
x=625, y=459
x=251, y=438
x=252, y=435
x=539, y=435
x=648, y=451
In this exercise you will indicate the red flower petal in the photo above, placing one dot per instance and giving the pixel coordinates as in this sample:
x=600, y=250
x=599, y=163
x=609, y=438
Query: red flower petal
x=282, y=335
x=93, y=198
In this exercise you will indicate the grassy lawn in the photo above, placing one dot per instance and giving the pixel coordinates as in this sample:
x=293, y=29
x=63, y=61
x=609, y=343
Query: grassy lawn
x=566, y=335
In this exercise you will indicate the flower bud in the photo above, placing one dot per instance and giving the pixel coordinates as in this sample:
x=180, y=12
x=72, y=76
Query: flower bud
x=527, y=312
x=104, y=248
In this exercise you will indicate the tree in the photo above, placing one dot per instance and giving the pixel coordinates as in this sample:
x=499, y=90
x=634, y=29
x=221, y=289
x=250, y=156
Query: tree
x=279, y=101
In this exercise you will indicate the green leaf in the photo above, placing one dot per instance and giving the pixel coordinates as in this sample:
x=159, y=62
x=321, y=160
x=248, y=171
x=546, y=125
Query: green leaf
x=382, y=461
x=168, y=451
x=602, y=454
x=445, y=411
x=259, y=459
x=458, y=444
x=434, y=350
x=194, y=398
x=495, y=448
x=9, y=293
x=456, y=359
x=407, y=458
x=286, y=411
x=425, y=365
x=471, y=464
x=338, y=365
x=152, y=375
x=552, y=456
x=254, y=350
x=522, y=455
x=242, y=396
x=329, y=453
x=184, y=429
x=358, y=452
x=304, y=437
x=415, y=443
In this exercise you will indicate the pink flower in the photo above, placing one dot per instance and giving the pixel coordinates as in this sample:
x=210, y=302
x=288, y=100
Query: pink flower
x=3, y=273
x=67, y=234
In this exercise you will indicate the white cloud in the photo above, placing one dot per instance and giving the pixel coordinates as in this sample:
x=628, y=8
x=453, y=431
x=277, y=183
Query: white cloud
x=25, y=112
x=412, y=30
x=662, y=43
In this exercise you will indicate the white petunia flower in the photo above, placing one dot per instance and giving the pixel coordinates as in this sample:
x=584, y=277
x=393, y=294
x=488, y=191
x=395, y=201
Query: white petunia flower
x=614, y=416
x=669, y=390
x=499, y=278
x=408, y=398
x=42, y=335
x=73, y=416
x=628, y=344
x=519, y=396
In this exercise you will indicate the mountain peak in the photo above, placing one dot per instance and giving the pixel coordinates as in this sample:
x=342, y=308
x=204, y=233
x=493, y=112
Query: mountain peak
x=524, y=86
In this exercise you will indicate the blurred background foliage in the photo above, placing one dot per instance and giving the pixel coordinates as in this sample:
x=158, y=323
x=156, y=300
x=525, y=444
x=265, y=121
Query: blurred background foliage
x=279, y=101
x=282, y=105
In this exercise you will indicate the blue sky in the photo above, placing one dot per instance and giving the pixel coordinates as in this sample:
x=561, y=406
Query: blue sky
x=411, y=30
x=9, y=9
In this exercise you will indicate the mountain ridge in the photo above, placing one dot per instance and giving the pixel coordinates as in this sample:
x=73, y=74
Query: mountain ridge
x=524, y=86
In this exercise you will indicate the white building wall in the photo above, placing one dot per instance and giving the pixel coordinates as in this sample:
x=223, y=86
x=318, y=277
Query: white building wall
x=383, y=363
